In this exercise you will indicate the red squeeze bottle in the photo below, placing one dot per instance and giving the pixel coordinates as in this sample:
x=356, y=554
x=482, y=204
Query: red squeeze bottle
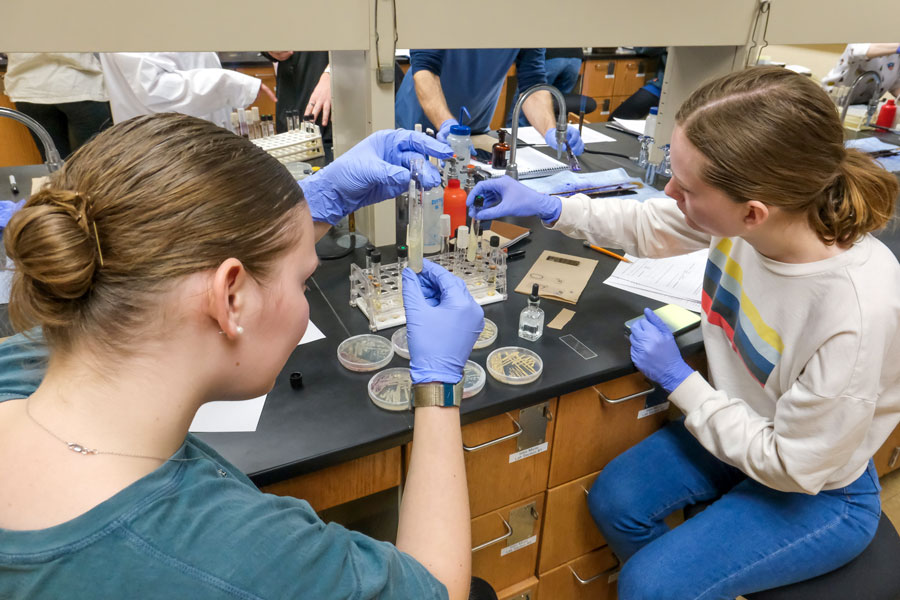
x=886, y=115
x=455, y=204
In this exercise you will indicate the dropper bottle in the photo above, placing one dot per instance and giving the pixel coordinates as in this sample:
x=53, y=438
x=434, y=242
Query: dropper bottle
x=531, y=319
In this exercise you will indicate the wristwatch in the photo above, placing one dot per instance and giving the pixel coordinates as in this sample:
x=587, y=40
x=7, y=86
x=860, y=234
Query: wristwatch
x=437, y=394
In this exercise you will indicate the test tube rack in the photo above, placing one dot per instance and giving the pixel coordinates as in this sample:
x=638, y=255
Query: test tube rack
x=297, y=145
x=382, y=301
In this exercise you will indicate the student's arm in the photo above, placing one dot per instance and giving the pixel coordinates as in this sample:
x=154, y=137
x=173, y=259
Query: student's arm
x=530, y=70
x=876, y=50
x=431, y=97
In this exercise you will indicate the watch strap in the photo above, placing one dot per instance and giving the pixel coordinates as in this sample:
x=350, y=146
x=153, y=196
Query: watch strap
x=437, y=394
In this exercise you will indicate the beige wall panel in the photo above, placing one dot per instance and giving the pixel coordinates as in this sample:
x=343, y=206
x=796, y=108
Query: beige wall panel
x=178, y=25
x=829, y=22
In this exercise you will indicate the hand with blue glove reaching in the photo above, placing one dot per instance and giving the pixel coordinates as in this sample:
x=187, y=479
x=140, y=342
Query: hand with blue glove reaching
x=443, y=322
x=375, y=169
x=655, y=353
x=573, y=139
x=506, y=197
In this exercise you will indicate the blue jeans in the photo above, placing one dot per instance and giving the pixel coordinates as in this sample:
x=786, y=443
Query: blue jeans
x=751, y=538
x=562, y=73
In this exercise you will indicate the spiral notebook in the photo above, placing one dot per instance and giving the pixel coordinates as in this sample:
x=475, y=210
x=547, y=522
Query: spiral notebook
x=530, y=162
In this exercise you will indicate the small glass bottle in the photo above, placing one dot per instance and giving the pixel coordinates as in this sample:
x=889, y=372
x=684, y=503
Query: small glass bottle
x=500, y=151
x=531, y=319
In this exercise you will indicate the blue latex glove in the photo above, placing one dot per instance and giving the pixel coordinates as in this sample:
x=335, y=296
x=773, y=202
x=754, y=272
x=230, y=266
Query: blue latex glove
x=442, y=323
x=506, y=197
x=655, y=353
x=375, y=169
x=573, y=139
x=7, y=210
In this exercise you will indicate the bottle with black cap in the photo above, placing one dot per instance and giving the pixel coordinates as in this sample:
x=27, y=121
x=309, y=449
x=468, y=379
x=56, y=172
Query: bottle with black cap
x=531, y=319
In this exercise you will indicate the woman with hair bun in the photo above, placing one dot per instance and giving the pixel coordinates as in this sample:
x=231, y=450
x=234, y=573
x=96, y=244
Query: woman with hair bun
x=166, y=265
x=801, y=312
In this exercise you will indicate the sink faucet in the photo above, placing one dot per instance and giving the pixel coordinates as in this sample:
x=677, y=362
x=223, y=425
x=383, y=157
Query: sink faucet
x=873, y=103
x=561, y=127
x=53, y=162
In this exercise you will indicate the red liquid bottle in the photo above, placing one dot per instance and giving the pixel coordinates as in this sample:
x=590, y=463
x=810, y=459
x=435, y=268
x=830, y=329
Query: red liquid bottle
x=455, y=204
x=886, y=115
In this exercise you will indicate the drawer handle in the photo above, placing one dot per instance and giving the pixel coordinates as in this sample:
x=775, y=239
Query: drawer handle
x=895, y=456
x=508, y=533
x=595, y=577
x=646, y=392
x=510, y=436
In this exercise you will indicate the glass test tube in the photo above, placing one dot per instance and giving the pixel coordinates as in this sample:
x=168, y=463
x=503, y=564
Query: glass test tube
x=416, y=231
x=476, y=231
x=462, y=246
x=445, y=238
x=493, y=261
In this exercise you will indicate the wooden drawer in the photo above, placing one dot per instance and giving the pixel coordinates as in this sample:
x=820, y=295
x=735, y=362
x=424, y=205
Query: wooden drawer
x=599, y=78
x=631, y=75
x=267, y=74
x=596, y=424
x=604, y=108
x=569, y=531
x=887, y=458
x=585, y=578
x=499, y=473
x=505, y=542
x=344, y=482
x=524, y=590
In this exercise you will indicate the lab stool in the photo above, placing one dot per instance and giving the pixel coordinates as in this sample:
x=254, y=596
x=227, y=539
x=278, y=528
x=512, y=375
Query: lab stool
x=873, y=575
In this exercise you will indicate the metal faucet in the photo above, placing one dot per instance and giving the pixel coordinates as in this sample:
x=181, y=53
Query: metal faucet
x=561, y=124
x=53, y=161
x=873, y=103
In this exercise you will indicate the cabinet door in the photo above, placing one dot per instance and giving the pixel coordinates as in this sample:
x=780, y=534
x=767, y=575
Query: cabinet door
x=569, y=531
x=505, y=542
x=599, y=78
x=585, y=578
x=596, y=424
x=267, y=74
x=524, y=590
x=499, y=470
x=602, y=112
x=631, y=75
x=888, y=456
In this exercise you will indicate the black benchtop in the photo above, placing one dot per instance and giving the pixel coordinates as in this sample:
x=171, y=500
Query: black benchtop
x=331, y=419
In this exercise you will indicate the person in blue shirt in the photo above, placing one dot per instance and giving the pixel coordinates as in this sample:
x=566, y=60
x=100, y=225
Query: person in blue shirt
x=440, y=82
x=164, y=266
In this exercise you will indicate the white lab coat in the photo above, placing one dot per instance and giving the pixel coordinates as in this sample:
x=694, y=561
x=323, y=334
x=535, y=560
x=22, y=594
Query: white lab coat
x=192, y=83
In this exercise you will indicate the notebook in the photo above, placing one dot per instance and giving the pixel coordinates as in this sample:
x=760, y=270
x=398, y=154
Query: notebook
x=530, y=162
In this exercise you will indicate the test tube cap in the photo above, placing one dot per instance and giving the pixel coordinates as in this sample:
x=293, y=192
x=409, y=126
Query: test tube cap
x=370, y=249
x=376, y=256
x=479, y=200
x=445, y=225
x=255, y=111
x=462, y=236
x=402, y=251
x=495, y=241
x=296, y=380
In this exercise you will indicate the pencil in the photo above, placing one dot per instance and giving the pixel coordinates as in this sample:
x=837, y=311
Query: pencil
x=606, y=252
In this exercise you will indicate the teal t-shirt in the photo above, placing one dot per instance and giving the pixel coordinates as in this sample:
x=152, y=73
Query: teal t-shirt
x=195, y=528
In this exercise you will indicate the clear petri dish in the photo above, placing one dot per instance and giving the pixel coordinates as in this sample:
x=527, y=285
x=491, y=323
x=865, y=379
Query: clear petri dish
x=514, y=365
x=473, y=379
x=367, y=352
x=488, y=335
x=400, y=343
x=391, y=389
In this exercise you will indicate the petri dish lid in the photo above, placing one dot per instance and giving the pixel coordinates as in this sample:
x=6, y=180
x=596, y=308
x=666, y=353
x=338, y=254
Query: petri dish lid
x=514, y=365
x=367, y=352
x=488, y=335
x=400, y=343
x=391, y=389
x=473, y=379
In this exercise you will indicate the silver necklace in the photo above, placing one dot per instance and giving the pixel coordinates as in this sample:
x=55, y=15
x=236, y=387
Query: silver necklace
x=84, y=450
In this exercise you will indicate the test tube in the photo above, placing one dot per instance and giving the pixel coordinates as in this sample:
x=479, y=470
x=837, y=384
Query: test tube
x=297, y=120
x=416, y=231
x=462, y=245
x=445, y=239
x=493, y=261
x=369, y=250
x=476, y=231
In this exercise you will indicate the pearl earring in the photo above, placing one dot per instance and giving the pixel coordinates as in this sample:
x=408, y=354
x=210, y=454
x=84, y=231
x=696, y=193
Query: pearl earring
x=240, y=330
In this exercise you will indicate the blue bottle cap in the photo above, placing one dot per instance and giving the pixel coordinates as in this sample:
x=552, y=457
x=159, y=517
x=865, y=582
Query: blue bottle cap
x=460, y=130
x=654, y=110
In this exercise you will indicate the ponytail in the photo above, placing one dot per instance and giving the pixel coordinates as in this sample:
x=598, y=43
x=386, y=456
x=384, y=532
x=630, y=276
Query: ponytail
x=860, y=200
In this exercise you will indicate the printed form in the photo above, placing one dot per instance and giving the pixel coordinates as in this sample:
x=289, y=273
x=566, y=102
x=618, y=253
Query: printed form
x=674, y=280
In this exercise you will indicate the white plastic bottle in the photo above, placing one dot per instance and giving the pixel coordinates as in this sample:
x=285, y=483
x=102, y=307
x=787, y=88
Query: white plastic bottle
x=460, y=138
x=433, y=202
x=650, y=125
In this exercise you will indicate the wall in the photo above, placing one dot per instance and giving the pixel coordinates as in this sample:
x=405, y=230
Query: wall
x=819, y=58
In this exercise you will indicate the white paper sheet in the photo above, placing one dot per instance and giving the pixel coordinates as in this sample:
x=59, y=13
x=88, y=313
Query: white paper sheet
x=632, y=125
x=530, y=135
x=675, y=280
x=240, y=415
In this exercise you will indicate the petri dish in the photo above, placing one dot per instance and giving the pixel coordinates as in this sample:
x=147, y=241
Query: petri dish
x=488, y=335
x=400, y=343
x=391, y=389
x=367, y=352
x=473, y=379
x=514, y=365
